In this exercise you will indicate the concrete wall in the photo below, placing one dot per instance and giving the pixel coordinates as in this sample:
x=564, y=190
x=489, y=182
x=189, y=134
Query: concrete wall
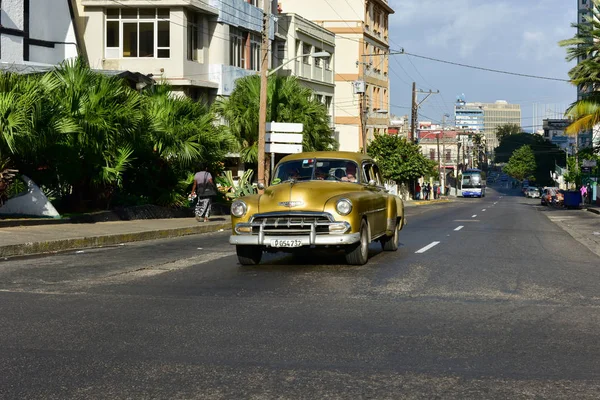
x=49, y=20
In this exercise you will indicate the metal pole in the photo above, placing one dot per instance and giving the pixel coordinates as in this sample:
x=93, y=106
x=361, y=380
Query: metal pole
x=262, y=114
x=413, y=127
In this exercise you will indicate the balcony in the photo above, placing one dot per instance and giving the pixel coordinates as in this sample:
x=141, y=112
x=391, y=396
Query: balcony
x=242, y=14
x=225, y=76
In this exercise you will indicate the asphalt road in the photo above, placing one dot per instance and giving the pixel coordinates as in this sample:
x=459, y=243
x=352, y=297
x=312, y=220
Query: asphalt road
x=486, y=298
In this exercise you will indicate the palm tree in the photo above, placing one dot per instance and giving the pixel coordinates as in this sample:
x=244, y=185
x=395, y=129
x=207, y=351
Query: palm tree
x=287, y=101
x=584, y=47
x=94, y=119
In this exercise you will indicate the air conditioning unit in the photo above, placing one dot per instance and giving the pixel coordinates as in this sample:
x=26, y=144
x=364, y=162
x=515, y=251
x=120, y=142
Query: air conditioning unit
x=359, y=87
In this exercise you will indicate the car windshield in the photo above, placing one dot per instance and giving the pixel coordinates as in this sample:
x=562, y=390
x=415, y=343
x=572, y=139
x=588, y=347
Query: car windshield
x=316, y=169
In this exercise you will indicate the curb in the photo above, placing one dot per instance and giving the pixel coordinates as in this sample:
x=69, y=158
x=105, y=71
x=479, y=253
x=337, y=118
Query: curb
x=594, y=210
x=426, y=202
x=53, y=246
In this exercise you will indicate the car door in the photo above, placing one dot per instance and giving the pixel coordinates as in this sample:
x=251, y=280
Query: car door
x=377, y=201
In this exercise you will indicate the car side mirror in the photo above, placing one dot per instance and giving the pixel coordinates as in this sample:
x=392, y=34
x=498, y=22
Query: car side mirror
x=260, y=186
x=372, y=182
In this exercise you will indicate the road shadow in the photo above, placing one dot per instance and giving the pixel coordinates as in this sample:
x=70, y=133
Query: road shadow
x=313, y=259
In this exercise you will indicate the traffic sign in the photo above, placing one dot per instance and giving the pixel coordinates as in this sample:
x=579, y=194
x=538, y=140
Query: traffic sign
x=281, y=148
x=284, y=127
x=283, y=138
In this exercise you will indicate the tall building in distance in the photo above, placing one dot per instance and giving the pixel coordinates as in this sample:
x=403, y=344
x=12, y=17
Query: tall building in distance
x=361, y=46
x=486, y=118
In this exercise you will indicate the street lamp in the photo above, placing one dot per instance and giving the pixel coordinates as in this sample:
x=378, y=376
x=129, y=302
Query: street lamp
x=262, y=115
x=318, y=54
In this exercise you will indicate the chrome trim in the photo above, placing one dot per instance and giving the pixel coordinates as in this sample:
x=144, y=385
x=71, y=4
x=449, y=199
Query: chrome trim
x=374, y=211
x=286, y=214
x=320, y=240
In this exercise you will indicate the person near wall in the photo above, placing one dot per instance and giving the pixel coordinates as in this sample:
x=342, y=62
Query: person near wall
x=204, y=190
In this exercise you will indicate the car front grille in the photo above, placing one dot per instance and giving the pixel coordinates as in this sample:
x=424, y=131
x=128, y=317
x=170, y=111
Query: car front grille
x=291, y=224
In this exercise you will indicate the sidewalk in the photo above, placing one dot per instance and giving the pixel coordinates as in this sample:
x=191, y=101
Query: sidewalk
x=47, y=238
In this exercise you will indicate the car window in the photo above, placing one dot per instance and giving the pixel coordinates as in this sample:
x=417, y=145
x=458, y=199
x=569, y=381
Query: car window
x=367, y=172
x=316, y=169
x=376, y=175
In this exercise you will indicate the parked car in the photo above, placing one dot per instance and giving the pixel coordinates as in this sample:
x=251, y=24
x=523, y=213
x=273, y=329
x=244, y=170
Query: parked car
x=318, y=199
x=533, y=192
x=547, y=196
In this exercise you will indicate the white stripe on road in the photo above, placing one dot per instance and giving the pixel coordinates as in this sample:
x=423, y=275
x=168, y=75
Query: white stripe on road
x=430, y=245
x=473, y=216
x=496, y=203
x=483, y=209
x=458, y=228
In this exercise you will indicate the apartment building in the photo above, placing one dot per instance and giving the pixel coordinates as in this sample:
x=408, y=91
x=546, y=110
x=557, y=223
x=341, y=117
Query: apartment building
x=200, y=47
x=36, y=33
x=296, y=39
x=361, y=44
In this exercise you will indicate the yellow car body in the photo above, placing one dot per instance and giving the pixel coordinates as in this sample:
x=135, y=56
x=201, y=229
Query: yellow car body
x=304, y=211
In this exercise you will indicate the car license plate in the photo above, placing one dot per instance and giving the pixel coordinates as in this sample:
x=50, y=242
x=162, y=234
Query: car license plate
x=286, y=243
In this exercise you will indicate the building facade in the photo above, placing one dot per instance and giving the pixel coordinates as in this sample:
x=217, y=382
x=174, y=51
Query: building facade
x=554, y=131
x=198, y=47
x=468, y=116
x=296, y=38
x=486, y=118
x=361, y=44
x=37, y=32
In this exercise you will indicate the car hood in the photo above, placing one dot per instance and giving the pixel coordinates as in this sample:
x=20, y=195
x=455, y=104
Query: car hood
x=303, y=196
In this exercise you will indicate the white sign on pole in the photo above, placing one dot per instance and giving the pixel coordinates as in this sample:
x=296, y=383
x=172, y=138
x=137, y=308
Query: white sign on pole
x=283, y=138
x=284, y=127
x=283, y=148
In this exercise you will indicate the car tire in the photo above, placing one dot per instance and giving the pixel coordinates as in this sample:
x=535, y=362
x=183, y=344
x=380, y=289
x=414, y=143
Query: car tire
x=390, y=243
x=248, y=255
x=358, y=253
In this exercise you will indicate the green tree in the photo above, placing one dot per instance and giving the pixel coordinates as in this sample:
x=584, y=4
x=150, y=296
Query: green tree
x=287, y=101
x=521, y=164
x=547, y=154
x=177, y=135
x=506, y=130
x=399, y=159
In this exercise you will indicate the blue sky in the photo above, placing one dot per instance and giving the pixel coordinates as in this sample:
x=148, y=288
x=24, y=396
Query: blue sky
x=513, y=35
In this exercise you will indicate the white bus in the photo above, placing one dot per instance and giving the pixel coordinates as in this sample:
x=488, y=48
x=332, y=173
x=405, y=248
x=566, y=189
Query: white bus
x=472, y=183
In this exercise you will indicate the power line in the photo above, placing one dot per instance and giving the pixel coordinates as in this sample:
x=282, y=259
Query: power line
x=487, y=69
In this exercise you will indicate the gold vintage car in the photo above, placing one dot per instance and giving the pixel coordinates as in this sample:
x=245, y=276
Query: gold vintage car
x=318, y=199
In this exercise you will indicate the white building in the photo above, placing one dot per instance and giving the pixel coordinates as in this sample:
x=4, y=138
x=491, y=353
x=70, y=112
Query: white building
x=200, y=47
x=36, y=33
x=299, y=37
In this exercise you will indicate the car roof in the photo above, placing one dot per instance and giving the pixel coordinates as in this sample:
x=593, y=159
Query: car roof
x=343, y=155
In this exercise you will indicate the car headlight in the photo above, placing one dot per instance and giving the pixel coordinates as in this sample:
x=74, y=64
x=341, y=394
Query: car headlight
x=343, y=206
x=238, y=208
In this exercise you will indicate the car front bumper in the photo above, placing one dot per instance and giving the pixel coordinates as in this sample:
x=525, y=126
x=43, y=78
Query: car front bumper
x=317, y=240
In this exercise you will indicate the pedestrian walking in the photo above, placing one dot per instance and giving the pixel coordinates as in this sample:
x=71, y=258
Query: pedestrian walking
x=439, y=191
x=583, y=191
x=435, y=191
x=425, y=191
x=588, y=189
x=203, y=190
x=429, y=194
x=418, y=191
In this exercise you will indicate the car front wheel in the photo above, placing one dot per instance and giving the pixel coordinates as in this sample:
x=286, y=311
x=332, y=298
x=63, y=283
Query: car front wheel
x=390, y=243
x=248, y=255
x=358, y=253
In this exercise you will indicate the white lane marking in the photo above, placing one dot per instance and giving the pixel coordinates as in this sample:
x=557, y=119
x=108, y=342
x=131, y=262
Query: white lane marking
x=458, y=228
x=483, y=209
x=496, y=203
x=430, y=245
x=473, y=216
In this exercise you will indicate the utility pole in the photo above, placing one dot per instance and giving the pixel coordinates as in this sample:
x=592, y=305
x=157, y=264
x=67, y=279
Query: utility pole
x=415, y=107
x=262, y=113
x=414, y=112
